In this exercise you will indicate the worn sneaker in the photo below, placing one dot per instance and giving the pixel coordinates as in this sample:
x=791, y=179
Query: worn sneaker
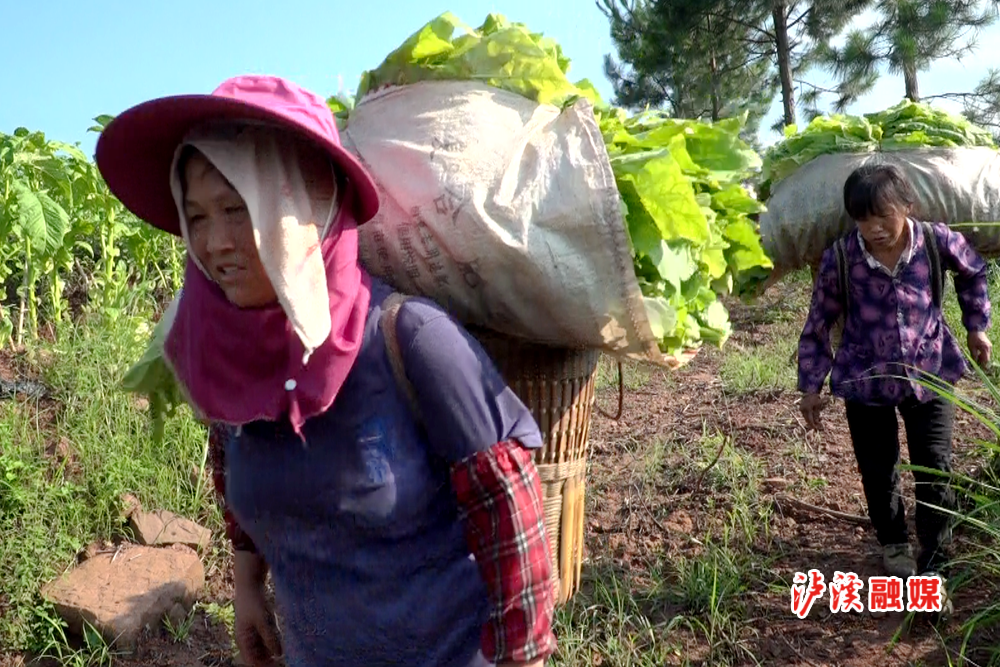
x=898, y=560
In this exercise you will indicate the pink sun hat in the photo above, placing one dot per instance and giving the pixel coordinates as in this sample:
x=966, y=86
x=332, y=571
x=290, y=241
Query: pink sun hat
x=136, y=150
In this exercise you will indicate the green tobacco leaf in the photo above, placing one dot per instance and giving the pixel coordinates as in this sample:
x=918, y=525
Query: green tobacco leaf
x=499, y=53
x=710, y=149
x=341, y=107
x=56, y=176
x=71, y=150
x=56, y=222
x=432, y=41
x=647, y=274
x=340, y=104
x=151, y=376
x=41, y=219
x=691, y=329
x=30, y=214
x=723, y=285
x=720, y=149
x=588, y=90
x=742, y=231
x=102, y=122
x=519, y=65
x=651, y=132
x=716, y=327
x=714, y=260
x=742, y=259
x=713, y=162
x=904, y=126
x=749, y=283
x=678, y=147
x=427, y=48
x=825, y=134
x=745, y=252
x=664, y=193
x=673, y=263
x=698, y=293
x=737, y=200
x=662, y=316
x=641, y=227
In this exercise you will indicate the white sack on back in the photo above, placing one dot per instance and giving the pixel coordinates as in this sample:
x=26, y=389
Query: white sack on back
x=504, y=211
x=806, y=214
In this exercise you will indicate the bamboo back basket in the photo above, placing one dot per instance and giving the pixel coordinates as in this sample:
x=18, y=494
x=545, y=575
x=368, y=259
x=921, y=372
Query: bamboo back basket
x=557, y=385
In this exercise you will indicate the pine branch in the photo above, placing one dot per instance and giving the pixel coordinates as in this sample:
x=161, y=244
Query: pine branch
x=744, y=24
x=951, y=96
x=803, y=17
x=817, y=88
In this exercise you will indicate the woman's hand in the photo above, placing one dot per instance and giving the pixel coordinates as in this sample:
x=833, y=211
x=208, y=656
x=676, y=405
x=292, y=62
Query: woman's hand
x=980, y=347
x=255, y=627
x=812, y=406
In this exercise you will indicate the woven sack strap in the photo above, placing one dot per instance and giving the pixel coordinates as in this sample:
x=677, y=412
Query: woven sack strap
x=390, y=313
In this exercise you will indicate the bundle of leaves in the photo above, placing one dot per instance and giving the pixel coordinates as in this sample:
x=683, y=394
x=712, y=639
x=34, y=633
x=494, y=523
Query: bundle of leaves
x=688, y=216
x=906, y=125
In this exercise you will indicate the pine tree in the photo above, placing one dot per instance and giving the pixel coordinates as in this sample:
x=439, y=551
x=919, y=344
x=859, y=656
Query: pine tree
x=745, y=49
x=690, y=62
x=906, y=37
x=801, y=31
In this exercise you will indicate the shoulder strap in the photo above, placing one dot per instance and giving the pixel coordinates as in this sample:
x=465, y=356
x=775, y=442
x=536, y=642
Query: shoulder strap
x=840, y=248
x=390, y=312
x=937, y=277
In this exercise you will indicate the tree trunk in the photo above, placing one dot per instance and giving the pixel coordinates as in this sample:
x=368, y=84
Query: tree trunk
x=716, y=103
x=910, y=78
x=780, y=17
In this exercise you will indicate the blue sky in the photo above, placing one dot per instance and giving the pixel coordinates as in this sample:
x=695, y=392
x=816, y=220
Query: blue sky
x=67, y=61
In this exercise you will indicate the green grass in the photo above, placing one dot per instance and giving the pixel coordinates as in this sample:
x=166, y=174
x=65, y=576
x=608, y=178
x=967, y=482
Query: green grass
x=614, y=622
x=635, y=375
x=766, y=362
x=48, y=511
x=976, y=566
x=697, y=601
x=769, y=367
x=953, y=314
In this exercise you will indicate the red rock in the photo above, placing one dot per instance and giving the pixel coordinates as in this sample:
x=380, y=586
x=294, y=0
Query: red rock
x=122, y=593
x=161, y=528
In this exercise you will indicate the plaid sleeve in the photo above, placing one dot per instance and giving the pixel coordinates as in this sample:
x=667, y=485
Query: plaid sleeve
x=217, y=457
x=500, y=499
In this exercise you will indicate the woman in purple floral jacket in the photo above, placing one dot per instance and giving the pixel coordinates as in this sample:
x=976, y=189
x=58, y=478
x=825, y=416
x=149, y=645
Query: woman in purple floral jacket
x=894, y=340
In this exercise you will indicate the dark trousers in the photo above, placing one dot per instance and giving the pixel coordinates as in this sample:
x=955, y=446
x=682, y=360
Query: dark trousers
x=875, y=435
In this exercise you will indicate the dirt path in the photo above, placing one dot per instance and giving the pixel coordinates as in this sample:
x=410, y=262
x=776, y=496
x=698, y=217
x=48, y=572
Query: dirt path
x=653, y=512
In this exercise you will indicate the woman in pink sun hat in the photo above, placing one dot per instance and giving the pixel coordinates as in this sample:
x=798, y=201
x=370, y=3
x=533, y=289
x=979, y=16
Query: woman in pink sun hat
x=395, y=531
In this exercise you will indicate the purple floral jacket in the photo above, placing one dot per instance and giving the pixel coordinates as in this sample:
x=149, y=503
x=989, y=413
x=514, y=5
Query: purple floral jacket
x=893, y=333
